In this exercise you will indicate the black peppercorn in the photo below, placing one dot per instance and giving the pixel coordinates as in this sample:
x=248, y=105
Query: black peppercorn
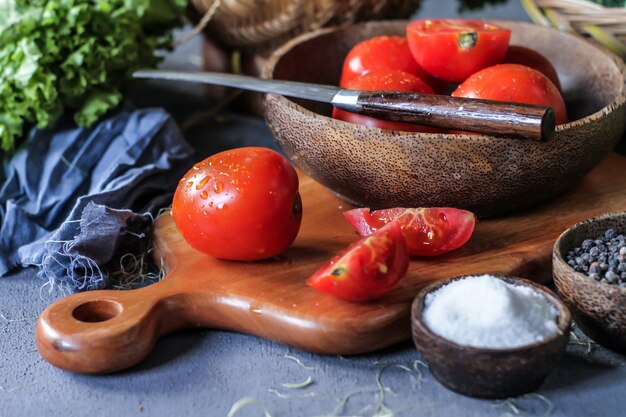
x=602, y=258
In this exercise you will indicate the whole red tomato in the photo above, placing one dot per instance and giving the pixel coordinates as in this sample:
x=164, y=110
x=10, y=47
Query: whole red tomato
x=384, y=53
x=533, y=59
x=514, y=83
x=242, y=204
x=391, y=81
x=428, y=231
x=367, y=269
x=453, y=49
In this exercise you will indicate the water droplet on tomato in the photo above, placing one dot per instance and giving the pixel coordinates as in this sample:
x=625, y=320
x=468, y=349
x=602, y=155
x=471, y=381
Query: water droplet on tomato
x=218, y=187
x=189, y=184
x=204, y=195
x=220, y=206
x=196, y=167
x=202, y=182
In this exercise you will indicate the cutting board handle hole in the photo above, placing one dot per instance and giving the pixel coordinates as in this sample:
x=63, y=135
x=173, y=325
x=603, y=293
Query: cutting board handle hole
x=97, y=311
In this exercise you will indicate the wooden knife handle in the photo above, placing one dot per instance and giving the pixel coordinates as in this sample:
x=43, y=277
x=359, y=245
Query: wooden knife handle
x=514, y=120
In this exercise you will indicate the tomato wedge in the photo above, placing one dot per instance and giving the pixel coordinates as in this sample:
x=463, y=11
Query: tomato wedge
x=367, y=269
x=428, y=231
x=453, y=49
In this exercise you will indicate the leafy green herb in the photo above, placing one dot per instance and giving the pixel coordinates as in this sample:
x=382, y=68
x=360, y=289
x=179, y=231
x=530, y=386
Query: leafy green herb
x=74, y=54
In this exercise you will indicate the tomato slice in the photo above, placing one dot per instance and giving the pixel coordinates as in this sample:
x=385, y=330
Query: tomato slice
x=428, y=231
x=367, y=269
x=453, y=49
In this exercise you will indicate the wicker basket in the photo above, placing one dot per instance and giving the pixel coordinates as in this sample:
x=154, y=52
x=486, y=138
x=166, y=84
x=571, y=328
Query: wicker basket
x=606, y=25
x=259, y=25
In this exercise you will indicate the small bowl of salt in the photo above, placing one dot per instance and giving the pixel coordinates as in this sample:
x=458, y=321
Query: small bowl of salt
x=489, y=336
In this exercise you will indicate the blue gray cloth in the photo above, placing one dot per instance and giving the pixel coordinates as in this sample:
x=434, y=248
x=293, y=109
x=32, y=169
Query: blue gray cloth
x=72, y=198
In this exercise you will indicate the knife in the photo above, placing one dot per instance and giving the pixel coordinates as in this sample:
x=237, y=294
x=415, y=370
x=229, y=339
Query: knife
x=514, y=120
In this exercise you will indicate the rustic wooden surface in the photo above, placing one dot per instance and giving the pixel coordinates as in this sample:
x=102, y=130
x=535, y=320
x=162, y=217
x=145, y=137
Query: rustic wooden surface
x=117, y=329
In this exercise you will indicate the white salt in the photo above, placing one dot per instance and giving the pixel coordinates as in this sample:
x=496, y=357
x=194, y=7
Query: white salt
x=484, y=311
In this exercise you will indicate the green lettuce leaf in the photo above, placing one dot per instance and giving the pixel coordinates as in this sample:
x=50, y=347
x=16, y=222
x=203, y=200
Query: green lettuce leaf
x=74, y=54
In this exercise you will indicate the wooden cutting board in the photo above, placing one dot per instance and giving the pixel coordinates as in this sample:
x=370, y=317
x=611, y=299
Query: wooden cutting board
x=105, y=331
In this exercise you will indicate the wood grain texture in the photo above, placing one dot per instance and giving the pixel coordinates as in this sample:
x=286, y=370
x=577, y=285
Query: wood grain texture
x=270, y=299
x=510, y=120
x=489, y=175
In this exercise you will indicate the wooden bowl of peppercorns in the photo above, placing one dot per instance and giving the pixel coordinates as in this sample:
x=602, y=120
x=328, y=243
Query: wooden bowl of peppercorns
x=589, y=267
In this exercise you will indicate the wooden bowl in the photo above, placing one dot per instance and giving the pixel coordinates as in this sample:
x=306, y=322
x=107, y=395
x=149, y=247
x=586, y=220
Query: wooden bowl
x=489, y=175
x=489, y=373
x=599, y=308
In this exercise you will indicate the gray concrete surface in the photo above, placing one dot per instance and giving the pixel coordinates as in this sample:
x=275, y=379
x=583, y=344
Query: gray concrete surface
x=204, y=372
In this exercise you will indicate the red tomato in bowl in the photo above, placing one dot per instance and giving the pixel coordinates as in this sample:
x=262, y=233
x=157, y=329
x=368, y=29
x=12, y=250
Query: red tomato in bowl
x=453, y=49
x=389, y=81
x=514, y=83
x=533, y=59
x=384, y=53
x=428, y=231
x=367, y=269
x=241, y=204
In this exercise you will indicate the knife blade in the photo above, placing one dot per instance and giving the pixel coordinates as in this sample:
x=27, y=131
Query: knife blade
x=511, y=120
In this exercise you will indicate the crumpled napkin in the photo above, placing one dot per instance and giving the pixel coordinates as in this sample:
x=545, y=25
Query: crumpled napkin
x=72, y=198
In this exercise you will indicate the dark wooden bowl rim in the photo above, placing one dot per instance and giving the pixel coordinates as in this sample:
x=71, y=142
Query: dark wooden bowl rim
x=563, y=320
